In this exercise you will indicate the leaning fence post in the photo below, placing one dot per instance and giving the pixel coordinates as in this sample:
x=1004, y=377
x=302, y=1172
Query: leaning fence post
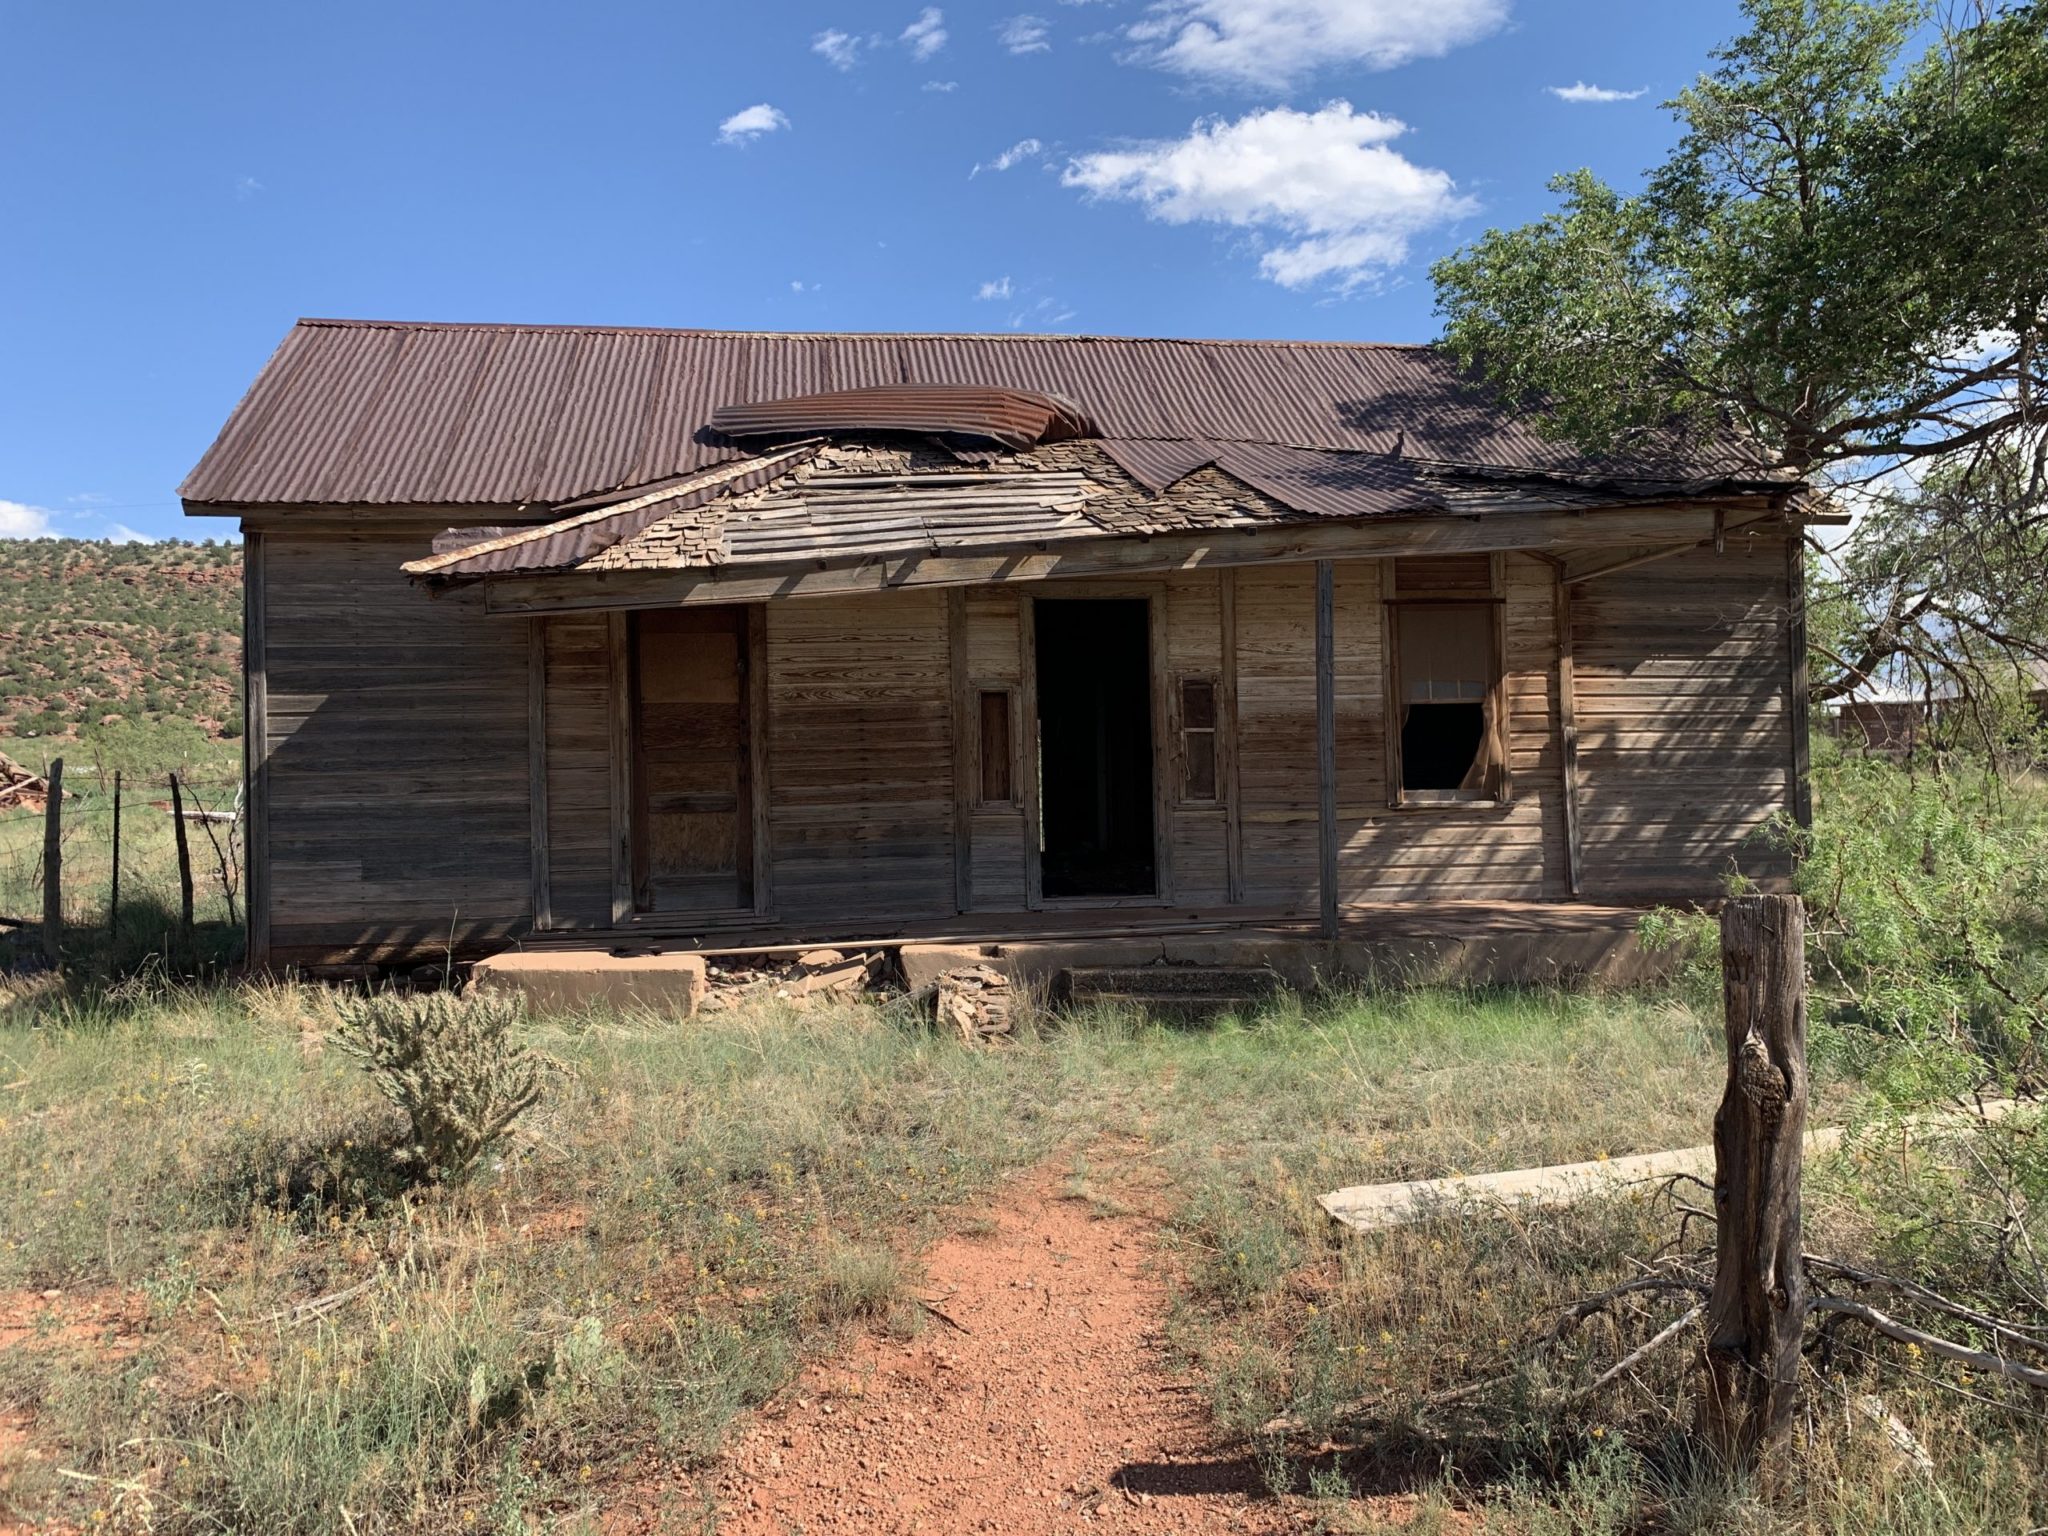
x=1758, y=1305
x=184, y=861
x=53, y=865
x=114, y=889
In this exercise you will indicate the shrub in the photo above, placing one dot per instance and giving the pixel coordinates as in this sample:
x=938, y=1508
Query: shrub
x=450, y=1064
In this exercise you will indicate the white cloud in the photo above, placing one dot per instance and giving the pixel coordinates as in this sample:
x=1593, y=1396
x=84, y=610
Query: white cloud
x=1584, y=92
x=19, y=520
x=1015, y=155
x=1024, y=34
x=1045, y=313
x=1274, y=42
x=747, y=125
x=1320, y=190
x=839, y=49
x=995, y=288
x=942, y=85
x=121, y=533
x=926, y=35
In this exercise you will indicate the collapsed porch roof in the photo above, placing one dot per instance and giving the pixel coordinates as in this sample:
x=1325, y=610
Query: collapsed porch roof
x=887, y=499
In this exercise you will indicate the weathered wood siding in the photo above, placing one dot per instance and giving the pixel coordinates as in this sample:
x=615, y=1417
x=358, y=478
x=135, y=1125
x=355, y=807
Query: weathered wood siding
x=396, y=761
x=995, y=660
x=1276, y=734
x=1683, y=676
x=860, y=744
x=579, y=772
x=1199, y=830
x=396, y=729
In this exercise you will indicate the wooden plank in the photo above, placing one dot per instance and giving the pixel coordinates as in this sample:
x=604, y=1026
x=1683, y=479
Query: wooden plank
x=1796, y=699
x=619, y=682
x=1159, y=663
x=1567, y=734
x=1027, y=653
x=256, y=746
x=1326, y=746
x=966, y=749
x=537, y=767
x=1105, y=556
x=1504, y=778
x=757, y=758
x=1226, y=737
x=1390, y=648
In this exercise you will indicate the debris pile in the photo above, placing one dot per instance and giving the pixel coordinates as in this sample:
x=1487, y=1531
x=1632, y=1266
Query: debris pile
x=20, y=789
x=974, y=1001
x=816, y=973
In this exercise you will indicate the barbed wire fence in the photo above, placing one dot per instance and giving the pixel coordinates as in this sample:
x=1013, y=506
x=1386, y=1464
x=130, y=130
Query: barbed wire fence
x=109, y=861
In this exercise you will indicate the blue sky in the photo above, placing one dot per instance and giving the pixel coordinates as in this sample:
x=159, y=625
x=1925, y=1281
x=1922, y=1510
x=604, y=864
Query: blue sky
x=178, y=183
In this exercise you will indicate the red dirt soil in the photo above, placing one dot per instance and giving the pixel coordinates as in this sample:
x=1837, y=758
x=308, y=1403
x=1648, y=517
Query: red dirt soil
x=1046, y=1403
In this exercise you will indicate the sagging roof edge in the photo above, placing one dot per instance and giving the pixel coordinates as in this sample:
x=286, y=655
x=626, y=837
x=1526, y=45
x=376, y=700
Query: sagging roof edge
x=1773, y=511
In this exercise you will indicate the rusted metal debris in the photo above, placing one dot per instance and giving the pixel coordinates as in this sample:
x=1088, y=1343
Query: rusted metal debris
x=1015, y=418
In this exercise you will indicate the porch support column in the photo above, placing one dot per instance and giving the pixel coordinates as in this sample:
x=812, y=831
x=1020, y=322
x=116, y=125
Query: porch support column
x=1326, y=745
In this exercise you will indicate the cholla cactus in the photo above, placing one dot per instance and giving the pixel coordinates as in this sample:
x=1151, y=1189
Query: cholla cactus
x=450, y=1064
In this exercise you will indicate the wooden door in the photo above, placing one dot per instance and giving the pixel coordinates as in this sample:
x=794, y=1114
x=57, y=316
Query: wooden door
x=693, y=795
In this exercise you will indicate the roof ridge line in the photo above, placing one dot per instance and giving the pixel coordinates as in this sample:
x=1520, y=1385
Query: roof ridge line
x=357, y=323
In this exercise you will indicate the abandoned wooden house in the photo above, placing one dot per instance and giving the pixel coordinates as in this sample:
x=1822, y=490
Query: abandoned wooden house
x=614, y=637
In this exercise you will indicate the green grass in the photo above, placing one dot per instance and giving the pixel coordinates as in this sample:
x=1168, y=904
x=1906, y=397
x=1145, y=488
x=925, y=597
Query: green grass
x=694, y=1208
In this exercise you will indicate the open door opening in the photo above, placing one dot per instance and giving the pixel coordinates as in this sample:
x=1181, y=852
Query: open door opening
x=1095, y=766
x=693, y=789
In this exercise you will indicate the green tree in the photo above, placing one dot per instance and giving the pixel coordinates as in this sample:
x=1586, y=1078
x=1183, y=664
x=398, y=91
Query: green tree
x=1842, y=258
x=1839, y=271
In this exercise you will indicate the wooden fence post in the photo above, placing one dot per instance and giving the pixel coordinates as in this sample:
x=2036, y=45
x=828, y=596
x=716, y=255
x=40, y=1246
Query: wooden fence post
x=1757, y=1310
x=184, y=861
x=53, y=866
x=114, y=889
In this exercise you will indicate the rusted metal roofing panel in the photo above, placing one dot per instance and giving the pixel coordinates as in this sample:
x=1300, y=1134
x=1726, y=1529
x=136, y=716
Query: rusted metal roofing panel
x=1157, y=462
x=1015, y=418
x=370, y=413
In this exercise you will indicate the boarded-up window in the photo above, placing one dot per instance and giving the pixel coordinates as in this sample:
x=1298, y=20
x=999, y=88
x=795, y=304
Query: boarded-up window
x=1445, y=690
x=996, y=786
x=1198, y=738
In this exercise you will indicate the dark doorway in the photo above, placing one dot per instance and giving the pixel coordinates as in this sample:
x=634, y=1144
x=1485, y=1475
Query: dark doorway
x=1095, y=747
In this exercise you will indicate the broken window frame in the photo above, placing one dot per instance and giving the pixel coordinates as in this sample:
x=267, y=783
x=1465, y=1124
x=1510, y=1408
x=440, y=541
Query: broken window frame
x=1497, y=782
x=1186, y=735
x=1011, y=770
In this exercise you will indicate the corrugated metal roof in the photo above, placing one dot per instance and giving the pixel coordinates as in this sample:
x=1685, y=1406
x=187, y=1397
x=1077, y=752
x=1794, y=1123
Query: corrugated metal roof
x=377, y=413
x=1015, y=418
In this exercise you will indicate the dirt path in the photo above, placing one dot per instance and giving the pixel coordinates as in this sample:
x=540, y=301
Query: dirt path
x=1046, y=1404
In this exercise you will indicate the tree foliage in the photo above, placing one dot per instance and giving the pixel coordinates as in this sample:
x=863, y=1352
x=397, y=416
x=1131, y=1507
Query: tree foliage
x=1844, y=266
x=1842, y=257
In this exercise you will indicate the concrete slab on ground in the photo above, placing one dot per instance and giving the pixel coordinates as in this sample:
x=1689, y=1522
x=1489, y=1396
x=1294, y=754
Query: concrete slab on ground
x=560, y=980
x=1611, y=956
x=1375, y=1207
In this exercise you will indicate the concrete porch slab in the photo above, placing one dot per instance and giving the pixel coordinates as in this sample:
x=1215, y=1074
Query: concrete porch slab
x=1469, y=955
x=554, y=981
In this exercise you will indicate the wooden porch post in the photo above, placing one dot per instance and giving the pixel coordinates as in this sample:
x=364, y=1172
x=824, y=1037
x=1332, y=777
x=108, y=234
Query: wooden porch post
x=1326, y=745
